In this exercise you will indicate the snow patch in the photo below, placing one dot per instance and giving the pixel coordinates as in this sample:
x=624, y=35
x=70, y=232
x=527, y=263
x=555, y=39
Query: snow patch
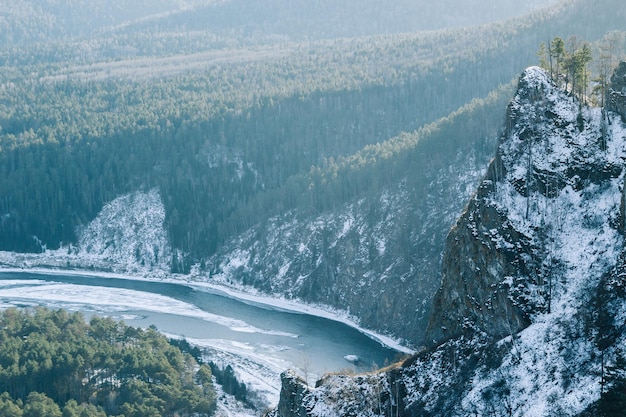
x=550, y=368
x=128, y=231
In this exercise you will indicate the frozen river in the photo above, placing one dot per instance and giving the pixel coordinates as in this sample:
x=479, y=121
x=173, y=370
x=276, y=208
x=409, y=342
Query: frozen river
x=258, y=340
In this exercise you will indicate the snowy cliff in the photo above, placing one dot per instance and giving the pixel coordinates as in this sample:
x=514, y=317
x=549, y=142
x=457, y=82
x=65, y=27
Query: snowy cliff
x=128, y=235
x=530, y=312
x=544, y=219
x=129, y=231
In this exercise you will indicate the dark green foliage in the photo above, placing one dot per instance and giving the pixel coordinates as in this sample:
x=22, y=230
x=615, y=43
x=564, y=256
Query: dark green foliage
x=227, y=379
x=213, y=142
x=40, y=405
x=613, y=402
x=187, y=347
x=53, y=363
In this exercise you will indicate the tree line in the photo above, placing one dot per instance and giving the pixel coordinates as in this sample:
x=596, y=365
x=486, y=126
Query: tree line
x=568, y=63
x=54, y=364
x=213, y=142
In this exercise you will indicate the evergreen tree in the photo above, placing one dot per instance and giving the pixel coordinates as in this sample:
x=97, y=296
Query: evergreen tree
x=542, y=54
x=557, y=52
x=613, y=400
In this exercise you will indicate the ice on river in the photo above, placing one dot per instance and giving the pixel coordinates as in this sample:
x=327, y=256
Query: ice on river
x=86, y=297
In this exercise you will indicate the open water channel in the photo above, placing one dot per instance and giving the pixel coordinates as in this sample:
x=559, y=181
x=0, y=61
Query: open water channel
x=260, y=340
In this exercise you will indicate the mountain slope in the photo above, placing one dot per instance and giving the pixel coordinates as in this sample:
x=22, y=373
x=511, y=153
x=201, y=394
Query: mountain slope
x=38, y=21
x=377, y=255
x=217, y=134
x=517, y=322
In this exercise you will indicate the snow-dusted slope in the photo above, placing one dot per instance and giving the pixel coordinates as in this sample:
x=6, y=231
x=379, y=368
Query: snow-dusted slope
x=548, y=212
x=516, y=324
x=129, y=232
x=571, y=216
x=376, y=258
x=128, y=235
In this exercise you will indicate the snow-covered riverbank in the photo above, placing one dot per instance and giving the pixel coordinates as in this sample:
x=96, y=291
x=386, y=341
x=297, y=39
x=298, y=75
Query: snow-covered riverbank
x=59, y=262
x=258, y=370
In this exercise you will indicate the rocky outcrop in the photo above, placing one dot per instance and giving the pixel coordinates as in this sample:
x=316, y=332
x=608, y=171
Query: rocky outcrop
x=617, y=92
x=292, y=392
x=485, y=263
x=342, y=395
x=490, y=267
x=532, y=304
x=128, y=232
x=497, y=270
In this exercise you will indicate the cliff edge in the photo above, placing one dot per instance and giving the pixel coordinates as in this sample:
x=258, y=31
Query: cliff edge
x=530, y=314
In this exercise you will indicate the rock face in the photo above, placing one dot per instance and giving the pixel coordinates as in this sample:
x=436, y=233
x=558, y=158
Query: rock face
x=129, y=231
x=531, y=307
x=498, y=269
x=617, y=93
x=482, y=249
x=292, y=393
x=341, y=395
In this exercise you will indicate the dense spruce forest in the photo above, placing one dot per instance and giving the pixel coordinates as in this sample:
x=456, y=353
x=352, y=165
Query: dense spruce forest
x=253, y=120
x=54, y=363
x=250, y=125
x=243, y=21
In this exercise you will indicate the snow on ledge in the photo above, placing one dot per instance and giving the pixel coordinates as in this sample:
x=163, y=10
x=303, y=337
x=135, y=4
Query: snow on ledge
x=129, y=230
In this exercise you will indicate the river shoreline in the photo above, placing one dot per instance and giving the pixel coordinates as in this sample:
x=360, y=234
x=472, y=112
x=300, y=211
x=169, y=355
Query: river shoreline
x=50, y=264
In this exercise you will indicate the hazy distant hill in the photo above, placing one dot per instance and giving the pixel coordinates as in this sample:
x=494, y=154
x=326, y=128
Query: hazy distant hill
x=249, y=21
x=28, y=21
x=271, y=20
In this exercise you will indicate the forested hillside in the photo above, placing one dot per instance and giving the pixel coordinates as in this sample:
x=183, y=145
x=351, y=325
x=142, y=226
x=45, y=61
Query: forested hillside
x=53, y=363
x=366, y=233
x=240, y=22
x=246, y=144
x=216, y=138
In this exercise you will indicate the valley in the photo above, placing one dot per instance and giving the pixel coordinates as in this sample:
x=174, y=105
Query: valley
x=259, y=340
x=382, y=166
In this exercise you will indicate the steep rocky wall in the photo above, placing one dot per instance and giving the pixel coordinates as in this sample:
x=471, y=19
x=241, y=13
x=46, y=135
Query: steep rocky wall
x=531, y=310
x=292, y=392
x=481, y=250
x=488, y=265
x=617, y=103
x=617, y=92
x=129, y=231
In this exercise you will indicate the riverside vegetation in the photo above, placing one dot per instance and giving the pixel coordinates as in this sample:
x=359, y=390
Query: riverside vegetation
x=54, y=363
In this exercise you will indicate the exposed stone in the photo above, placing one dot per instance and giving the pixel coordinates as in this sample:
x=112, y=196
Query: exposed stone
x=482, y=249
x=292, y=392
x=617, y=92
